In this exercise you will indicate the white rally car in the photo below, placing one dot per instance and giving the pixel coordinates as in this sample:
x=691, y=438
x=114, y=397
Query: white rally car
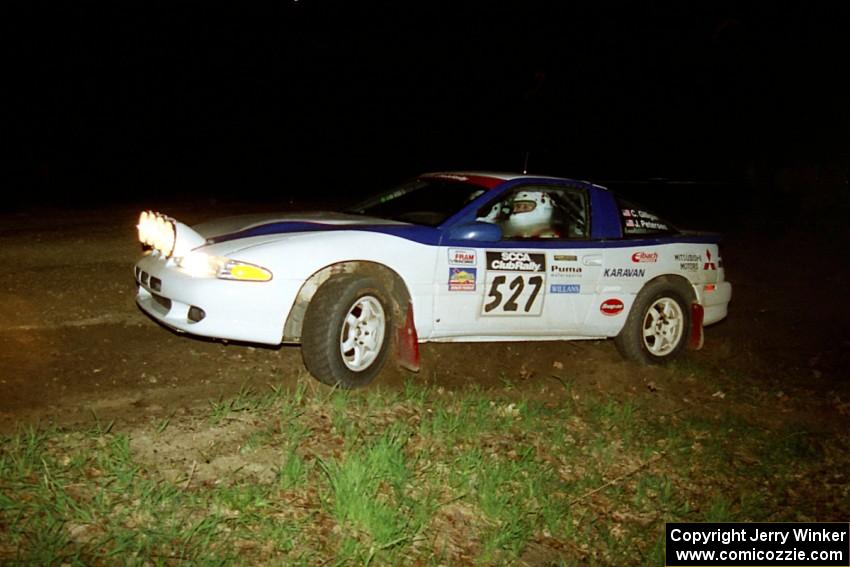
x=444, y=257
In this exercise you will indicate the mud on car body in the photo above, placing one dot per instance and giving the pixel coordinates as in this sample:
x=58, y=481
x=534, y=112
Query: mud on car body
x=444, y=257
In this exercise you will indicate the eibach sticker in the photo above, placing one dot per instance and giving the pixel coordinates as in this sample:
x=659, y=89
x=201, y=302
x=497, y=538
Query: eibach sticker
x=639, y=257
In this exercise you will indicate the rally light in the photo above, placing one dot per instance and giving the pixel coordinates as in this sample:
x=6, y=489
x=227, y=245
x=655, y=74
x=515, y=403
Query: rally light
x=142, y=227
x=157, y=231
x=199, y=265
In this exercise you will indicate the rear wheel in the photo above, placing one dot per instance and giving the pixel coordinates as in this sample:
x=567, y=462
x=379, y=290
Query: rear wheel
x=658, y=324
x=346, y=333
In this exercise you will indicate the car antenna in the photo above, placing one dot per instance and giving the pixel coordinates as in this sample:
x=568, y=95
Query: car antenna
x=525, y=164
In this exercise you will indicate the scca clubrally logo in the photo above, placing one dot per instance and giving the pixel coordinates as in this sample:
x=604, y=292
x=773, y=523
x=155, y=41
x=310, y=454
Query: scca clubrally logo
x=511, y=261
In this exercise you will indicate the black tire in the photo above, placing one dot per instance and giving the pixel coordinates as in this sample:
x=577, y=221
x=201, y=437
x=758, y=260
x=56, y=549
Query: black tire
x=325, y=331
x=658, y=325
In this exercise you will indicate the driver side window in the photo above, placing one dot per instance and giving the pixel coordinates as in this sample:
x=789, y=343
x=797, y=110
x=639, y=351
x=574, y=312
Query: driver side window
x=537, y=212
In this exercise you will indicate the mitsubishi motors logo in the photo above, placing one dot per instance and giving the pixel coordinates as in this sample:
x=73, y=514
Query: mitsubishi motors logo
x=709, y=265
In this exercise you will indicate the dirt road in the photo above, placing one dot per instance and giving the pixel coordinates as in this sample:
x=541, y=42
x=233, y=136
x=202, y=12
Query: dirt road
x=73, y=345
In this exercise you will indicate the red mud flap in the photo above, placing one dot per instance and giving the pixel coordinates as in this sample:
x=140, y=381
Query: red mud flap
x=407, y=343
x=696, y=338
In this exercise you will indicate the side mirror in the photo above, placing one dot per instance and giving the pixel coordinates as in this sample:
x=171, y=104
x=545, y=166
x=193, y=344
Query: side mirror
x=476, y=231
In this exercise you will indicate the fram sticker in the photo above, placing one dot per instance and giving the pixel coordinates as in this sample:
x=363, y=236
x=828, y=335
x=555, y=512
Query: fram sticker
x=565, y=258
x=462, y=257
x=565, y=288
x=462, y=279
x=611, y=307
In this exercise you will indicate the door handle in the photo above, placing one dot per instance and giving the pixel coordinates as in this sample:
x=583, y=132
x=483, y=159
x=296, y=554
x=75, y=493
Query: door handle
x=592, y=260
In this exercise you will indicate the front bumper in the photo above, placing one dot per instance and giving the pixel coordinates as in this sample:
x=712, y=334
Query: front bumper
x=223, y=309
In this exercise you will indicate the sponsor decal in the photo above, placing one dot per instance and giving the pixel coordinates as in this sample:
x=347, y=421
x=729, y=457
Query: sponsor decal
x=689, y=266
x=709, y=265
x=462, y=257
x=565, y=288
x=566, y=258
x=636, y=218
x=564, y=271
x=516, y=262
x=611, y=307
x=638, y=214
x=623, y=273
x=688, y=257
x=639, y=257
x=640, y=223
x=462, y=279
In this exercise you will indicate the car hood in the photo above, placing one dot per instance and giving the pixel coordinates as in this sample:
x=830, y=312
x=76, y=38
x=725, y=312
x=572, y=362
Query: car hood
x=244, y=226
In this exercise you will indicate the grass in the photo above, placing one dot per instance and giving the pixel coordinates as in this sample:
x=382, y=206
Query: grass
x=400, y=477
x=370, y=494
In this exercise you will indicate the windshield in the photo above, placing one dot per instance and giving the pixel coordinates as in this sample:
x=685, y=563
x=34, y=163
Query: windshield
x=426, y=201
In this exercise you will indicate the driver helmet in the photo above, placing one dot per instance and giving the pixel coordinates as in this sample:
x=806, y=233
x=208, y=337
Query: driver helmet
x=531, y=213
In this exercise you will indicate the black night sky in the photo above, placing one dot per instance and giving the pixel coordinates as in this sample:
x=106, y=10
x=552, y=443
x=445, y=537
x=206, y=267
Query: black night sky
x=115, y=101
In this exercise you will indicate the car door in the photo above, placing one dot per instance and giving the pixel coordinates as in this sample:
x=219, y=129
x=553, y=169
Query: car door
x=537, y=280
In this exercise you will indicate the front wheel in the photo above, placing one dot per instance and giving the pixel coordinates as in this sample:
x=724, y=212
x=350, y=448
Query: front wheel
x=346, y=333
x=658, y=324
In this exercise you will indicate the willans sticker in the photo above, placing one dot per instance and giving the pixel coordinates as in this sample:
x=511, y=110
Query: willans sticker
x=565, y=288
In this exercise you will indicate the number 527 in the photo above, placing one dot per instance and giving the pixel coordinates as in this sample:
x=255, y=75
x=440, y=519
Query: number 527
x=516, y=297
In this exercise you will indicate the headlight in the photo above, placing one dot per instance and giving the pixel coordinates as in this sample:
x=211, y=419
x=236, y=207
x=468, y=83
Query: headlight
x=199, y=265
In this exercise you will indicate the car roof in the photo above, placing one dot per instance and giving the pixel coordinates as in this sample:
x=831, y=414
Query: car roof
x=491, y=179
